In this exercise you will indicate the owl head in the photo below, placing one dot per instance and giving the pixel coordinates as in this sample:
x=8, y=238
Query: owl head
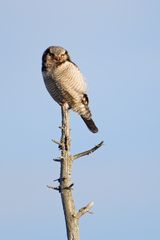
x=54, y=56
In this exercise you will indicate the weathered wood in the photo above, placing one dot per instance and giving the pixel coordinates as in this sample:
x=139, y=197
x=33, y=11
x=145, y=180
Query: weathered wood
x=82, y=154
x=72, y=223
x=72, y=216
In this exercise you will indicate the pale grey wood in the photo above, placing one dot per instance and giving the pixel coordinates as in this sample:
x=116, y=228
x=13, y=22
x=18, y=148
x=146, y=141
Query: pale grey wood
x=82, y=154
x=72, y=216
x=72, y=223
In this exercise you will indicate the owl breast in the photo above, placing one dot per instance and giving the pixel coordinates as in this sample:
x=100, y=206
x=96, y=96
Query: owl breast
x=65, y=84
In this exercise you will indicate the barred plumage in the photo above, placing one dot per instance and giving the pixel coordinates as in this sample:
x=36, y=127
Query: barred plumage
x=65, y=83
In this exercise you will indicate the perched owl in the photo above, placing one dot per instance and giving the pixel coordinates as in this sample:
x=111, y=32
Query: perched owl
x=65, y=83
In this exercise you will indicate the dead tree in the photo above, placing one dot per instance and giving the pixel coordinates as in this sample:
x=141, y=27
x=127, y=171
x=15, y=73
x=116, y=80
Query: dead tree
x=66, y=160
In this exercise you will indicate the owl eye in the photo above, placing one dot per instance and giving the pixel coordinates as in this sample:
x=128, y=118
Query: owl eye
x=63, y=54
x=51, y=54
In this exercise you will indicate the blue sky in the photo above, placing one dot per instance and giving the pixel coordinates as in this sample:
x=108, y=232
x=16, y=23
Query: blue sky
x=116, y=45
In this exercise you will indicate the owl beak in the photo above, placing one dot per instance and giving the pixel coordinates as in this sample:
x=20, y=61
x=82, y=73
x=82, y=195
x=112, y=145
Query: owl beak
x=57, y=58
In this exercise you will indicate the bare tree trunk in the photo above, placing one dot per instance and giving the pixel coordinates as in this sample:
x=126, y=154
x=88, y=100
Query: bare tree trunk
x=72, y=222
x=72, y=216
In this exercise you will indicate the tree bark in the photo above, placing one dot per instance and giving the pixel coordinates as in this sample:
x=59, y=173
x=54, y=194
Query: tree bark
x=66, y=160
x=72, y=222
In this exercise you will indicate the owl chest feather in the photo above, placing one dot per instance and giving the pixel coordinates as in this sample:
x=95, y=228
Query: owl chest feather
x=66, y=83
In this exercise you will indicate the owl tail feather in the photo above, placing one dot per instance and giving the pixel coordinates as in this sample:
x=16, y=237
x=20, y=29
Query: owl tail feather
x=90, y=124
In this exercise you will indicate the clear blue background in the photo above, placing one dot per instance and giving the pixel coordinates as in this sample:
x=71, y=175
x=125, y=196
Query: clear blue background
x=116, y=44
